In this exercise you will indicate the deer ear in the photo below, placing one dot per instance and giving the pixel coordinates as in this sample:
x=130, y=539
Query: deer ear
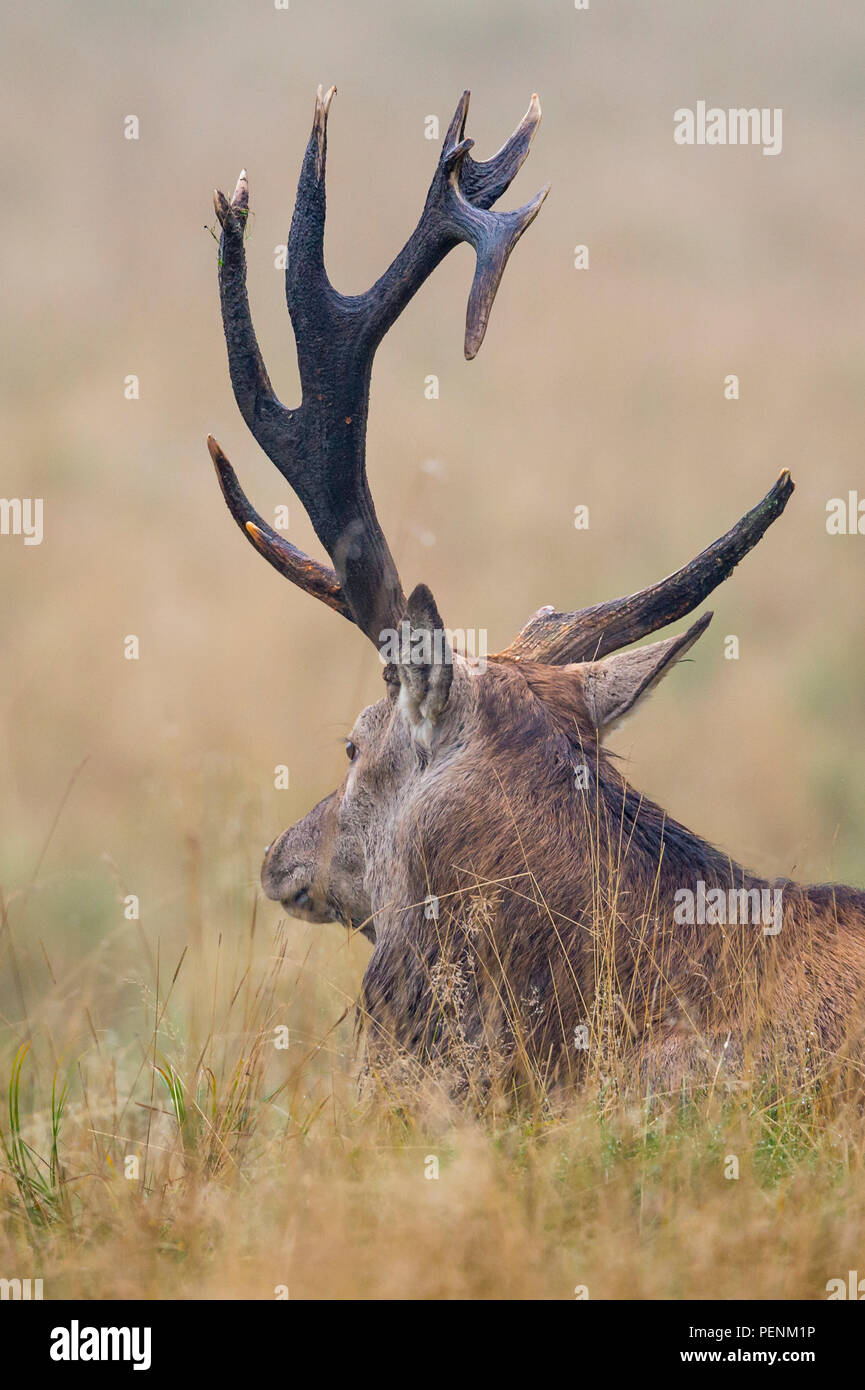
x=614, y=686
x=426, y=664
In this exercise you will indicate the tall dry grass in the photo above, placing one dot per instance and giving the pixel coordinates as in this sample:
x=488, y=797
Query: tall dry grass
x=224, y=1149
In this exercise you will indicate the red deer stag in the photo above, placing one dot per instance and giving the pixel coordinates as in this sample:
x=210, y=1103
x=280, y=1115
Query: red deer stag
x=526, y=905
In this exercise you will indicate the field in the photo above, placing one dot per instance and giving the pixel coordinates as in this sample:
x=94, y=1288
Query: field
x=157, y=1142
x=204, y=1161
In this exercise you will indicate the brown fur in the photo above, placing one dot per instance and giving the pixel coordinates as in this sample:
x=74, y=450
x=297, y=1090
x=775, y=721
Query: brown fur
x=555, y=903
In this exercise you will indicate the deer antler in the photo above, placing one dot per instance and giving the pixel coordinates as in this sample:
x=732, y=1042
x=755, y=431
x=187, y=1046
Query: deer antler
x=558, y=638
x=320, y=447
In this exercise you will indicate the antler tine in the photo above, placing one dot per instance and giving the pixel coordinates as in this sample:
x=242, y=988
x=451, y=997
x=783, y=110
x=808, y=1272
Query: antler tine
x=457, y=209
x=320, y=447
x=559, y=638
x=310, y=575
x=268, y=419
x=484, y=182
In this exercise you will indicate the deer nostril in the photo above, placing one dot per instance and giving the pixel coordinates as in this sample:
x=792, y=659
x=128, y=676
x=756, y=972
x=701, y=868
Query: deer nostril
x=301, y=899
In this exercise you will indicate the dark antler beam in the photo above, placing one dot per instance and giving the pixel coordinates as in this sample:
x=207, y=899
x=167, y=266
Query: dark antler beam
x=590, y=633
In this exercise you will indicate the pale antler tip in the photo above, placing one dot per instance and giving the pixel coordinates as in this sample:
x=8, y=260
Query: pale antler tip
x=532, y=119
x=323, y=99
x=240, y=196
x=319, y=125
x=220, y=462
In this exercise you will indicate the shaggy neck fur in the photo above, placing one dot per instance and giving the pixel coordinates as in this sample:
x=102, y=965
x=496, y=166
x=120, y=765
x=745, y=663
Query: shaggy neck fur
x=555, y=906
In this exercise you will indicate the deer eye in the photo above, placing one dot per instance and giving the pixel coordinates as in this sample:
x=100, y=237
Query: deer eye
x=350, y=750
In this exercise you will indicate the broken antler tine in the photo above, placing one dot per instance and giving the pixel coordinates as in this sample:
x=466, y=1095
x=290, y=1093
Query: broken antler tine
x=310, y=575
x=494, y=236
x=250, y=382
x=221, y=206
x=232, y=216
x=452, y=159
x=484, y=181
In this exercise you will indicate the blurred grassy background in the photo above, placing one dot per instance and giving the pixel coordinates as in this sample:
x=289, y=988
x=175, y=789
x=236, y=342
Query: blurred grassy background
x=602, y=387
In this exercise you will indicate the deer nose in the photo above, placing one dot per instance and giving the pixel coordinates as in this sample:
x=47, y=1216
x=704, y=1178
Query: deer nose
x=295, y=891
x=285, y=881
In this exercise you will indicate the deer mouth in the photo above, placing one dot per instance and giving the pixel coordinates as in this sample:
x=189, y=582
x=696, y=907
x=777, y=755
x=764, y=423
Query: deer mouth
x=302, y=904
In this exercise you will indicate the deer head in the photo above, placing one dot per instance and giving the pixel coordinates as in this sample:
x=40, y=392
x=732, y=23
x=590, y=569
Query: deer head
x=460, y=763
